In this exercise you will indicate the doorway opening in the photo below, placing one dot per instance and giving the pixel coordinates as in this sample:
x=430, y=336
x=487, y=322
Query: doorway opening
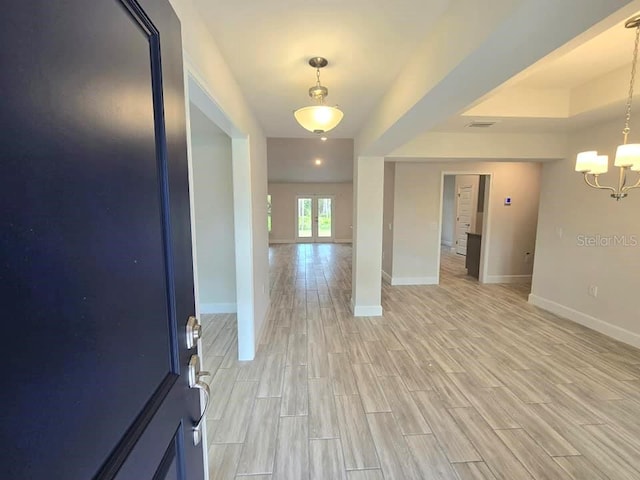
x=213, y=215
x=222, y=256
x=314, y=218
x=464, y=225
x=238, y=224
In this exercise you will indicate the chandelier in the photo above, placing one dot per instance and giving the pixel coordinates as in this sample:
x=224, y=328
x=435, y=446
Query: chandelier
x=627, y=157
x=319, y=118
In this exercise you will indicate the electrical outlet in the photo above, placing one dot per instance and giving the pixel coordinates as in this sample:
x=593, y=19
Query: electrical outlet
x=527, y=257
x=593, y=291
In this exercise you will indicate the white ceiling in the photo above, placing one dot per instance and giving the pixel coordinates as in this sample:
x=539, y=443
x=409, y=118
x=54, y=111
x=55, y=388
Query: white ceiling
x=602, y=53
x=267, y=45
x=608, y=51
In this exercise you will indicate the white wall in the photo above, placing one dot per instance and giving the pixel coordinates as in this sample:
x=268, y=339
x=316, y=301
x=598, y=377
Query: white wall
x=292, y=160
x=417, y=215
x=206, y=64
x=283, y=209
x=484, y=146
x=387, y=220
x=563, y=269
x=448, y=211
x=213, y=213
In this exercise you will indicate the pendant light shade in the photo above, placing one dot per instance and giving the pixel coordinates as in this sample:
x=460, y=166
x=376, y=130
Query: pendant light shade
x=319, y=118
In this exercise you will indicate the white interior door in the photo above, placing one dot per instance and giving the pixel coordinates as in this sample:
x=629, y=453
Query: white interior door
x=314, y=220
x=466, y=201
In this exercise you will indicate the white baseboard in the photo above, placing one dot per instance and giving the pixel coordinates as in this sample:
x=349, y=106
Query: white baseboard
x=218, y=308
x=414, y=281
x=447, y=244
x=596, y=324
x=508, y=279
x=386, y=277
x=367, y=311
x=337, y=240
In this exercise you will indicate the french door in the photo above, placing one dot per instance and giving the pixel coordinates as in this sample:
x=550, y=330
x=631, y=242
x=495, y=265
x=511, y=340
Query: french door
x=314, y=218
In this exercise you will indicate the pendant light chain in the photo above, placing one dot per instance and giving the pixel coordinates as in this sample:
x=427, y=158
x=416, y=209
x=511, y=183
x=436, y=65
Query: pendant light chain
x=627, y=122
x=320, y=99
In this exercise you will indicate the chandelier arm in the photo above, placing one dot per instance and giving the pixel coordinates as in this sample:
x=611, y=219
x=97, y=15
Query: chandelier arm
x=622, y=183
x=631, y=187
x=596, y=183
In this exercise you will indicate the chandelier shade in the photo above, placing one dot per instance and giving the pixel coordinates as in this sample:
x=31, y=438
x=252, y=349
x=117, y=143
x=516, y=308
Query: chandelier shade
x=600, y=165
x=585, y=161
x=319, y=118
x=628, y=155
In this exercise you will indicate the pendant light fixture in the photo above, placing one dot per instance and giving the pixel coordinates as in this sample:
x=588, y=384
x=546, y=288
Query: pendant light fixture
x=319, y=118
x=627, y=154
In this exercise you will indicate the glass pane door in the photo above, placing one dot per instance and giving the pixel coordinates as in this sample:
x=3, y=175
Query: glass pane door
x=304, y=216
x=324, y=216
x=314, y=218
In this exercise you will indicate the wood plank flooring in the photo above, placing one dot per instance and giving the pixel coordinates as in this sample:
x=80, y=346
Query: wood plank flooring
x=460, y=381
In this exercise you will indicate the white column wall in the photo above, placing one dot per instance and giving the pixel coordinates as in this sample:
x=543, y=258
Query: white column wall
x=368, y=185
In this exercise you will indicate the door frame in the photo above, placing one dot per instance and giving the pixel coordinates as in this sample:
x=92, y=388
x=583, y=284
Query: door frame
x=242, y=206
x=314, y=230
x=196, y=92
x=486, y=222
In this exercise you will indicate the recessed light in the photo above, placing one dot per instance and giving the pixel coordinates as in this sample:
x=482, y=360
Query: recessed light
x=318, y=161
x=324, y=139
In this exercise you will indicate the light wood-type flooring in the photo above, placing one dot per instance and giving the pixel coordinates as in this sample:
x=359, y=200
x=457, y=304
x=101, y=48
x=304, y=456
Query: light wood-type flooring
x=458, y=381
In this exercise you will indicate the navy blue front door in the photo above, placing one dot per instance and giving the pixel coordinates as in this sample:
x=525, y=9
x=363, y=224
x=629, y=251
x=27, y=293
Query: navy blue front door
x=95, y=245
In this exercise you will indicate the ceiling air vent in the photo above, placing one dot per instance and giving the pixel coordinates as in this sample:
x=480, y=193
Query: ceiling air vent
x=478, y=124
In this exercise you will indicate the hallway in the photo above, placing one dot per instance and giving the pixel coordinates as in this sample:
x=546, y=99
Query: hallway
x=458, y=381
